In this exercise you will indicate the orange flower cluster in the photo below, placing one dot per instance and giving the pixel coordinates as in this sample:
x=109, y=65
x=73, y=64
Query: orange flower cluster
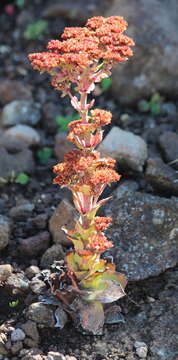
x=89, y=134
x=99, y=243
x=100, y=41
x=85, y=169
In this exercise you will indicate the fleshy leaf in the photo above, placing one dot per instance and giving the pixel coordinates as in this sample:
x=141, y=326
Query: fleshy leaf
x=105, y=287
x=89, y=316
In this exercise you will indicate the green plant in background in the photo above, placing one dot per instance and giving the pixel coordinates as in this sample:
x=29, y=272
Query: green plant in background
x=20, y=3
x=44, y=155
x=14, y=303
x=63, y=121
x=22, y=179
x=105, y=84
x=153, y=105
x=36, y=30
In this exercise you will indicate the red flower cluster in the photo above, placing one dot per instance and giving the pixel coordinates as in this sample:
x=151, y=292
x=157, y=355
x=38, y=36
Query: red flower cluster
x=101, y=41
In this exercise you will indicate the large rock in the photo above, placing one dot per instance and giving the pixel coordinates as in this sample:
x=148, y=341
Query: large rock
x=129, y=149
x=168, y=143
x=25, y=133
x=20, y=112
x=154, y=66
x=64, y=215
x=144, y=233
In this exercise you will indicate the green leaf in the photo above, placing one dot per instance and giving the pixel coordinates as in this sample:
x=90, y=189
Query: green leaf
x=155, y=104
x=36, y=30
x=63, y=121
x=20, y=3
x=22, y=179
x=14, y=303
x=105, y=84
x=44, y=155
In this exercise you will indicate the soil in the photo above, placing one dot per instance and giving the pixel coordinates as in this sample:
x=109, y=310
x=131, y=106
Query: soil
x=118, y=339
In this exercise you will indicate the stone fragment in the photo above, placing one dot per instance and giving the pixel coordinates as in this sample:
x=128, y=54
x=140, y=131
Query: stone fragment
x=18, y=282
x=22, y=210
x=52, y=254
x=130, y=150
x=20, y=112
x=31, y=330
x=17, y=335
x=62, y=146
x=145, y=234
x=14, y=164
x=168, y=143
x=61, y=317
x=12, y=90
x=5, y=272
x=147, y=71
x=31, y=271
x=4, y=231
x=16, y=347
x=64, y=215
x=161, y=176
x=35, y=244
x=40, y=221
x=55, y=356
x=141, y=349
x=37, y=286
x=25, y=133
x=41, y=314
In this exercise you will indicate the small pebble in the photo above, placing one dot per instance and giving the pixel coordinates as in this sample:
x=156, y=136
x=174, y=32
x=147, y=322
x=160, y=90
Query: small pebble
x=17, y=335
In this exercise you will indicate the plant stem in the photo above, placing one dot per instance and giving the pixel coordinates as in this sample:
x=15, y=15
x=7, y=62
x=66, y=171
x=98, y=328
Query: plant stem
x=83, y=108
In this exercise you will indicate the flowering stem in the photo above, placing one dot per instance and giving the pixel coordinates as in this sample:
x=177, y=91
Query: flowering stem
x=83, y=107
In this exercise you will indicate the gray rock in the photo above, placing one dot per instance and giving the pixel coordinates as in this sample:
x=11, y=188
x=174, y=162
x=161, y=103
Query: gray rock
x=154, y=65
x=61, y=317
x=52, y=254
x=34, y=244
x=168, y=143
x=12, y=90
x=5, y=272
x=18, y=282
x=15, y=348
x=41, y=314
x=25, y=133
x=21, y=211
x=4, y=231
x=31, y=330
x=64, y=215
x=14, y=164
x=141, y=349
x=20, y=112
x=17, y=335
x=145, y=234
x=37, y=286
x=32, y=271
x=129, y=149
x=161, y=176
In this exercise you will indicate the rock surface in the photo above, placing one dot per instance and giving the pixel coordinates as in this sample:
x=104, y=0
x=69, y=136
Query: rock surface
x=54, y=253
x=17, y=335
x=62, y=145
x=4, y=231
x=5, y=272
x=129, y=149
x=64, y=215
x=145, y=234
x=161, y=176
x=20, y=112
x=25, y=133
x=154, y=65
x=41, y=314
x=34, y=244
x=14, y=161
x=168, y=143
